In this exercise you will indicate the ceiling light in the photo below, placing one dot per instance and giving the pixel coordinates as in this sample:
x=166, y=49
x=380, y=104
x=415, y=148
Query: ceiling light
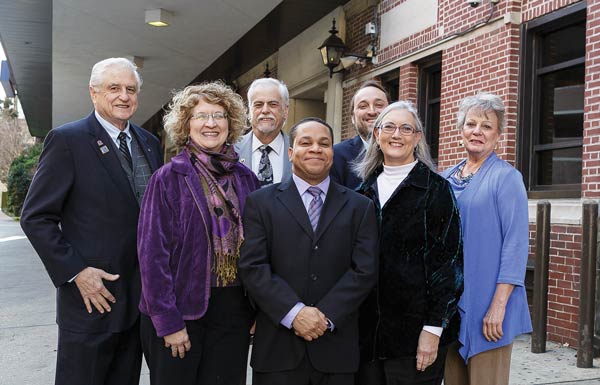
x=158, y=17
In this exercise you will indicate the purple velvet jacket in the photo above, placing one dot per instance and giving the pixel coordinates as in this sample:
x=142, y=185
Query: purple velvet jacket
x=174, y=247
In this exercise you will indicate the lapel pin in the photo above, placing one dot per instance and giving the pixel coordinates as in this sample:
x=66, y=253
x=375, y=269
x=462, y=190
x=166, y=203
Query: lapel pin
x=104, y=149
x=100, y=143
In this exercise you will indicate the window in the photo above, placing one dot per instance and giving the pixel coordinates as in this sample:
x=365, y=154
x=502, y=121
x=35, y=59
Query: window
x=430, y=85
x=391, y=82
x=552, y=100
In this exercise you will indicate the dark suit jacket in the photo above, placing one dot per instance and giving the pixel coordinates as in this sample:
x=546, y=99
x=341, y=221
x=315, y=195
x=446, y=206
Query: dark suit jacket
x=80, y=211
x=344, y=153
x=284, y=262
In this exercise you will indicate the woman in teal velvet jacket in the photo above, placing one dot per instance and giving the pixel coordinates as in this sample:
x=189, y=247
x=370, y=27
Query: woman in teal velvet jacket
x=404, y=324
x=493, y=208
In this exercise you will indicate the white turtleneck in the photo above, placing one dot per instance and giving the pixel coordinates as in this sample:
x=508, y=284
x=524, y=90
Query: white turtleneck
x=389, y=180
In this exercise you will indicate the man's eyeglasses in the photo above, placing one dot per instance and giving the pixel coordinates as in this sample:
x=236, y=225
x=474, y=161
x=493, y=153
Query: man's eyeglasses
x=390, y=128
x=203, y=116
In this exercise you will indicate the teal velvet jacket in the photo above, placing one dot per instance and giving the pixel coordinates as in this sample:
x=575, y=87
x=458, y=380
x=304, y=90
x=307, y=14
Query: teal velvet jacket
x=420, y=266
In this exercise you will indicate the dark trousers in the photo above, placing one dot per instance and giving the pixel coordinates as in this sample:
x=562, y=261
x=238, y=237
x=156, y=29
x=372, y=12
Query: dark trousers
x=304, y=374
x=99, y=358
x=220, y=341
x=402, y=371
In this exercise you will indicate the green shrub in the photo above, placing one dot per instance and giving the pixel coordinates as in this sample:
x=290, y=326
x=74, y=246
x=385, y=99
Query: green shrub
x=19, y=178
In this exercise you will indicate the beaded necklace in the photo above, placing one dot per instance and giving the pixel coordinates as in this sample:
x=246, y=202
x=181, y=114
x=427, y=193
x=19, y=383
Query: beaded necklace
x=464, y=178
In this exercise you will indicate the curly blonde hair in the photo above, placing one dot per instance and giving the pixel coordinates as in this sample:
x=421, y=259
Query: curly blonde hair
x=176, y=120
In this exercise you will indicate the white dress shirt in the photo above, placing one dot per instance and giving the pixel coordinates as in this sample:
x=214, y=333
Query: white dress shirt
x=113, y=131
x=275, y=156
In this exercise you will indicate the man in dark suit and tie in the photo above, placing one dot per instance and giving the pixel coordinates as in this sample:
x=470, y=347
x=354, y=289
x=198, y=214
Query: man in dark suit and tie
x=308, y=261
x=264, y=149
x=81, y=216
x=367, y=103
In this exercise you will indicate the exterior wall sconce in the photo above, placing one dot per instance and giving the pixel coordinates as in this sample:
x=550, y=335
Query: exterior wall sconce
x=333, y=50
x=158, y=17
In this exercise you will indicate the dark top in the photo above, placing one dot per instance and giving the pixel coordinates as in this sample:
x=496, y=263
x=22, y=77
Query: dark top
x=343, y=155
x=420, y=260
x=81, y=211
x=284, y=262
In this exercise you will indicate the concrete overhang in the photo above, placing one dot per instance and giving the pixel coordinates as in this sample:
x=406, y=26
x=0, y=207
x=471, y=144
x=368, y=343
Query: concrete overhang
x=51, y=46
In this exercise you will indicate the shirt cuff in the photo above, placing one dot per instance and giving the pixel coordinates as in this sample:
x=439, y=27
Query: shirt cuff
x=330, y=325
x=437, y=330
x=73, y=279
x=291, y=315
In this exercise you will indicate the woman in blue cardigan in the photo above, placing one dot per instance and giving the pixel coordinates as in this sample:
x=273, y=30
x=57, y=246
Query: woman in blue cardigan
x=494, y=217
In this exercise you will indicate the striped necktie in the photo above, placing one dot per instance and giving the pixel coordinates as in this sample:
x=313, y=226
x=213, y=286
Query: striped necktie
x=314, y=209
x=124, y=149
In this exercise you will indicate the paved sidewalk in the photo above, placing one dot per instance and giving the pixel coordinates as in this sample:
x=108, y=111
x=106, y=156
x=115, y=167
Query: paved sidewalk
x=557, y=366
x=28, y=330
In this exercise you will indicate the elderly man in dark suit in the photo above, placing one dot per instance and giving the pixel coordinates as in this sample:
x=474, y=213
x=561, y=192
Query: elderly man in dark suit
x=264, y=148
x=367, y=103
x=81, y=216
x=308, y=261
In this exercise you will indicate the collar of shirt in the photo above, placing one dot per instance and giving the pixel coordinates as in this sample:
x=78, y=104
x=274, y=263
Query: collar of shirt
x=303, y=186
x=276, y=145
x=365, y=143
x=113, y=131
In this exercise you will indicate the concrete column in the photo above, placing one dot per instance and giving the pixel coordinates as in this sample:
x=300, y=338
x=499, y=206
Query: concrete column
x=334, y=98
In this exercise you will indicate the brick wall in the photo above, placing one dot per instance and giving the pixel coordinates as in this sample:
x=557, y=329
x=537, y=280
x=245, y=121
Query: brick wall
x=409, y=74
x=563, y=281
x=491, y=62
x=494, y=68
x=591, y=121
x=537, y=8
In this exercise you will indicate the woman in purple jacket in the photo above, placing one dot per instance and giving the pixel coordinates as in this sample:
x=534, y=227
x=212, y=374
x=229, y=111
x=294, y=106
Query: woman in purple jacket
x=493, y=208
x=195, y=317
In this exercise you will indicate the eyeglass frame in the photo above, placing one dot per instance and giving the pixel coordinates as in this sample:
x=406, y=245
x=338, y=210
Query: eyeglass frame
x=207, y=116
x=399, y=128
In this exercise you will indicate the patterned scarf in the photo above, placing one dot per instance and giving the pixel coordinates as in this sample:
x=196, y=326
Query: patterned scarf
x=215, y=173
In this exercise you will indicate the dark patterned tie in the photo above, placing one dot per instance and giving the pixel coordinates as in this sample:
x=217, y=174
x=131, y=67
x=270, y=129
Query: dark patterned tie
x=265, y=171
x=314, y=209
x=124, y=149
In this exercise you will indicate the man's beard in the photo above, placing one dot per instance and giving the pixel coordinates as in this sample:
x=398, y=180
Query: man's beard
x=364, y=130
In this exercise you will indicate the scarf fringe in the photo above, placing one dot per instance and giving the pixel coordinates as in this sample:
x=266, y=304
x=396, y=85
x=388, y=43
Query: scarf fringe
x=225, y=266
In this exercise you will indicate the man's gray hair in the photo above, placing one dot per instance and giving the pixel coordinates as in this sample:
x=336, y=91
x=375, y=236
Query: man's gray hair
x=484, y=102
x=98, y=70
x=283, y=91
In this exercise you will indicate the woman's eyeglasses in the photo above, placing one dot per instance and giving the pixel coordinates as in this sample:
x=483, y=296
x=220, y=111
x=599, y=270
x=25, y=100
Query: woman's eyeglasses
x=390, y=128
x=203, y=116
